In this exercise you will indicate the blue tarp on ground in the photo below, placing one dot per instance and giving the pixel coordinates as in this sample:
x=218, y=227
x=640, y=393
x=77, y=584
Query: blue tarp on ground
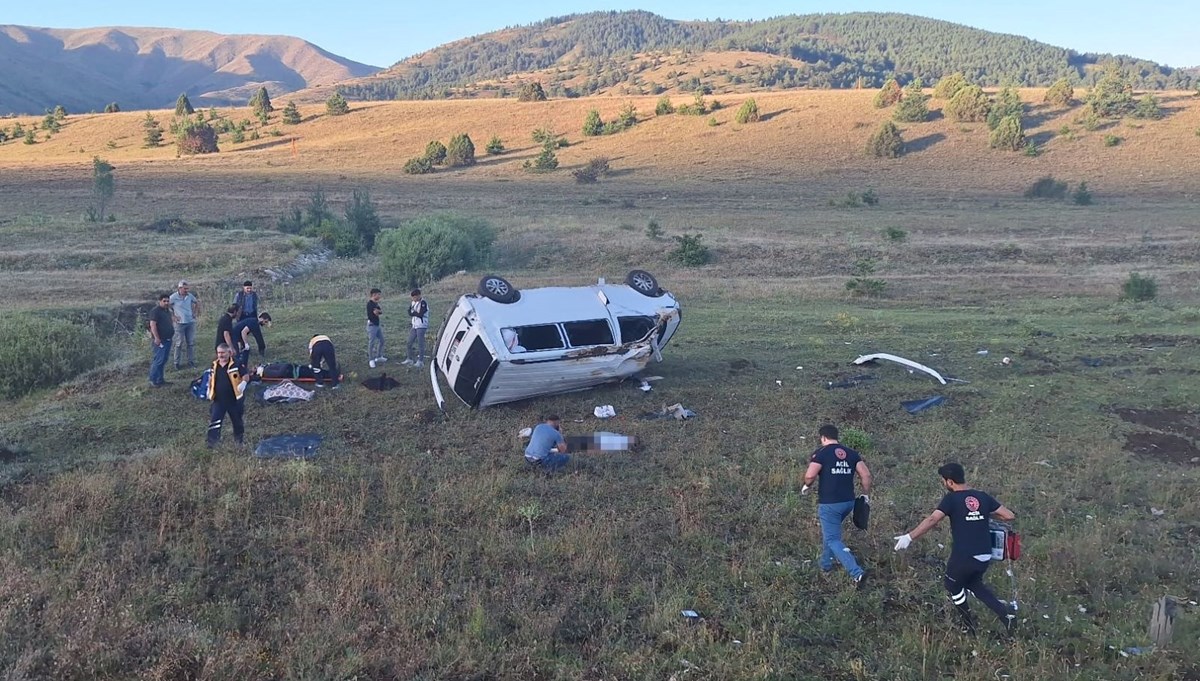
x=302, y=446
x=914, y=406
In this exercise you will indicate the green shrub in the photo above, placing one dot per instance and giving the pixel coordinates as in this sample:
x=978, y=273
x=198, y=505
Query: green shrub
x=949, y=86
x=653, y=229
x=969, y=105
x=1060, y=93
x=417, y=166
x=863, y=284
x=886, y=142
x=856, y=439
x=428, y=248
x=912, y=108
x=544, y=136
x=627, y=117
x=1138, y=288
x=1111, y=140
x=593, y=125
x=591, y=171
x=1090, y=121
x=748, y=113
x=193, y=136
x=1147, y=107
x=460, y=152
x=664, y=106
x=291, y=114
x=1008, y=134
x=531, y=92
x=335, y=235
x=545, y=162
x=41, y=353
x=1008, y=103
x=1081, y=196
x=238, y=136
x=856, y=199
x=30, y=136
x=435, y=153
x=495, y=146
x=183, y=107
x=1113, y=95
x=1046, y=188
x=889, y=94
x=362, y=218
x=690, y=251
x=895, y=234
x=712, y=122
x=291, y=222
x=1032, y=150
x=336, y=105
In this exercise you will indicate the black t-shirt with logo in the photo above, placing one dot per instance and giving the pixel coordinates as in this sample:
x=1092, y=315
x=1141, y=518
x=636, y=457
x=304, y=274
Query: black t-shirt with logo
x=223, y=325
x=373, y=311
x=836, y=479
x=165, y=322
x=969, y=512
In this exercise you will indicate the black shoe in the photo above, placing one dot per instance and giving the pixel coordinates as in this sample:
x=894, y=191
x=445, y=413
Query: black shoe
x=165, y=383
x=860, y=582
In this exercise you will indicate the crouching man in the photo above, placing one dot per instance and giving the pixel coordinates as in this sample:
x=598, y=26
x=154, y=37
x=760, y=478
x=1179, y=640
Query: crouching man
x=226, y=388
x=547, y=447
x=320, y=351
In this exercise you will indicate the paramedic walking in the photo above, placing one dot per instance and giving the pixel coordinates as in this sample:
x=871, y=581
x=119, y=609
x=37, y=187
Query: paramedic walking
x=969, y=511
x=835, y=465
x=226, y=388
x=418, y=312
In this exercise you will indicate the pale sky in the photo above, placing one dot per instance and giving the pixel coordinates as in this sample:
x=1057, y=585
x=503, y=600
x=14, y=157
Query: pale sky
x=381, y=32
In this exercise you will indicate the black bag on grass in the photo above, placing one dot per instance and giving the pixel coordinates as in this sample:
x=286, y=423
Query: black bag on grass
x=862, y=512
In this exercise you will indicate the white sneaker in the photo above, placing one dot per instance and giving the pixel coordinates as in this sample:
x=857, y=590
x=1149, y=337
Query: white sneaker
x=372, y=363
x=381, y=360
x=407, y=362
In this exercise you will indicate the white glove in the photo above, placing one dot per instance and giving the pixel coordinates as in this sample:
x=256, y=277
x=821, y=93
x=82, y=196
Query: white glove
x=866, y=498
x=903, y=541
x=804, y=490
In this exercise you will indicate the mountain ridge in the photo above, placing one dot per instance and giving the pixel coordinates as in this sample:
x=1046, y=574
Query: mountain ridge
x=147, y=67
x=858, y=49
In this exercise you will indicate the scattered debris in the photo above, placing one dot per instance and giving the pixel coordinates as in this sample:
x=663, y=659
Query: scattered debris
x=1157, y=512
x=1006, y=361
x=604, y=411
x=1044, y=462
x=525, y=433
x=1091, y=361
x=1135, y=650
x=675, y=411
x=690, y=614
x=289, y=447
x=850, y=382
x=286, y=393
x=900, y=360
x=914, y=406
x=779, y=383
x=645, y=386
x=602, y=441
x=981, y=352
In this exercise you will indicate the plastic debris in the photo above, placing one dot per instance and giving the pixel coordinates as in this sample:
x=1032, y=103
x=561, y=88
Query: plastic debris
x=525, y=433
x=604, y=411
x=289, y=447
x=1006, y=361
x=914, y=406
x=900, y=360
x=1044, y=462
x=850, y=382
x=690, y=614
x=1157, y=512
x=676, y=411
x=981, y=352
x=779, y=383
x=1091, y=361
x=645, y=386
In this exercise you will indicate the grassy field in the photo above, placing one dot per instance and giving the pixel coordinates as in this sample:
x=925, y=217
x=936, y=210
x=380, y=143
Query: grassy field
x=418, y=547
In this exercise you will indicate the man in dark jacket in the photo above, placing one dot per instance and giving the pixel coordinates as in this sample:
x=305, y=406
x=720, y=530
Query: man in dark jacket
x=225, y=328
x=971, y=552
x=226, y=390
x=248, y=306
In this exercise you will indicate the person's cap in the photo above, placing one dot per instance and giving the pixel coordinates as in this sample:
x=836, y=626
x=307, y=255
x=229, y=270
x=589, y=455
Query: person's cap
x=247, y=283
x=181, y=284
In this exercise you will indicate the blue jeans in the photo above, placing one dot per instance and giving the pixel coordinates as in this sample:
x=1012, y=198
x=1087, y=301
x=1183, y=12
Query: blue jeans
x=186, y=333
x=832, y=516
x=551, y=462
x=160, y=361
x=374, y=341
x=416, y=337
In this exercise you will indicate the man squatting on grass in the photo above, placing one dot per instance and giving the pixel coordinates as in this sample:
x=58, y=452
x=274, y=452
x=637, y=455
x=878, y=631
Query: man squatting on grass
x=162, y=331
x=547, y=447
x=226, y=388
x=836, y=464
x=374, y=329
x=185, y=308
x=971, y=539
x=418, y=311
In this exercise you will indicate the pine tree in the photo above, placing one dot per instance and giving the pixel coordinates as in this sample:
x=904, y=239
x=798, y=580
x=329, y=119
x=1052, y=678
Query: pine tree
x=886, y=142
x=969, y=105
x=59, y=112
x=435, y=153
x=460, y=151
x=1008, y=103
x=531, y=92
x=153, y=132
x=336, y=105
x=260, y=103
x=112, y=107
x=1061, y=93
x=592, y=125
x=912, y=108
x=889, y=94
x=949, y=86
x=748, y=113
x=182, y=106
x=1008, y=134
x=291, y=114
x=103, y=185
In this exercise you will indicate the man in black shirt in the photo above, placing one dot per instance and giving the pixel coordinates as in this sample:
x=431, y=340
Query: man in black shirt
x=836, y=464
x=162, y=332
x=971, y=542
x=225, y=328
x=374, y=330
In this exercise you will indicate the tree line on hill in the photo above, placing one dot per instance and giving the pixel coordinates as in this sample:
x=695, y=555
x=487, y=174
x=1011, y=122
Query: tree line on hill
x=836, y=51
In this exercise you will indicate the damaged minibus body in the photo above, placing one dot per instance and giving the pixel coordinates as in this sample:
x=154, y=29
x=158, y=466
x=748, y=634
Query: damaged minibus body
x=500, y=345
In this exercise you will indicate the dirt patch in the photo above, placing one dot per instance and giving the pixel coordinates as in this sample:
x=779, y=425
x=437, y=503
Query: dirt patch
x=1159, y=341
x=8, y=455
x=1177, y=421
x=1164, y=446
x=740, y=366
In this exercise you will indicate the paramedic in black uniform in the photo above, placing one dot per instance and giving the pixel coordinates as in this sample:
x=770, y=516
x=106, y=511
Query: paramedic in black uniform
x=969, y=511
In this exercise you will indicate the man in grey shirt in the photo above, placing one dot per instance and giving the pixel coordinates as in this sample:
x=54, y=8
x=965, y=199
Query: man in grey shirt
x=184, y=309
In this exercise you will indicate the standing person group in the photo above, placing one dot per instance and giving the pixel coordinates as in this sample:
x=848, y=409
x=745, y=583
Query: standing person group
x=833, y=468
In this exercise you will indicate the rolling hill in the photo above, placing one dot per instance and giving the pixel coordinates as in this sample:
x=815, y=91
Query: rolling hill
x=615, y=52
x=144, y=68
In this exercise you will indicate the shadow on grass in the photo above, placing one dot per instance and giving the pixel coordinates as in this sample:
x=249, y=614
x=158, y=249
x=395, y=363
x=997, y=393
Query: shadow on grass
x=279, y=141
x=922, y=143
x=773, y=114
